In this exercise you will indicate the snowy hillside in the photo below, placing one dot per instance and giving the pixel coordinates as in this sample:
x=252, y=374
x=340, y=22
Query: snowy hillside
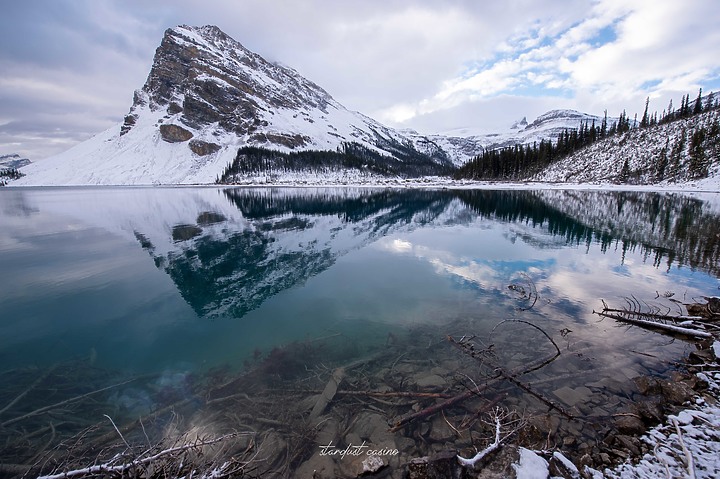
x=683, y=151
x=206, y=96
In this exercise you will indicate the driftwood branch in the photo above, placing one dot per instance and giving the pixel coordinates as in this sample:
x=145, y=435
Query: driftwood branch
x=328, y=393
x=657, y=325
x=642, y=314
x=101, y=469
x=532, y=325
x=538, y=395
x=481, y=454
x=435, y=408
x=689, y=462
x=504, y=427
x=377, y=394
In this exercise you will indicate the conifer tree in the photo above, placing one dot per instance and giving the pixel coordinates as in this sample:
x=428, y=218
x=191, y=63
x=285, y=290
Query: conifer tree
x=697, y=167
x=645, y=119
x=709, y=101
x=625, y=172
x=697, y=109
x=662, y=163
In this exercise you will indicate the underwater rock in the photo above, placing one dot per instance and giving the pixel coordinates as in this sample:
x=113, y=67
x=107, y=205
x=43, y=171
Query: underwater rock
x=572, y=396
x=328, y=433
x=440, y=466
x=440, y=430
x=430, y=381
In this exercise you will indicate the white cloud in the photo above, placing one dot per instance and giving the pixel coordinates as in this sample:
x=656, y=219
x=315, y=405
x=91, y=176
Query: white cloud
x=663, y=44
x=427, y=65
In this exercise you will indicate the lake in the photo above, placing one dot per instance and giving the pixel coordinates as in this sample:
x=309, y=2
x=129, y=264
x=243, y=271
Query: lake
x=232, y=309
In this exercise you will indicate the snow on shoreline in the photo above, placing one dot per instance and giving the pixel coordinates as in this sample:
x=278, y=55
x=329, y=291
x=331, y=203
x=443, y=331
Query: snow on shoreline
x=687, y=444
x=709, y=185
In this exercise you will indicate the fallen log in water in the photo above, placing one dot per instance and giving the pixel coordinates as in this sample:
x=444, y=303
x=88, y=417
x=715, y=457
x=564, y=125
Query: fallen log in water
x=328, y=393
x=435, y=408
x=670, y=328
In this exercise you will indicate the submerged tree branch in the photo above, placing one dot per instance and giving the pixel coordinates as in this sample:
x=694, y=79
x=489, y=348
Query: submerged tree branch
x=63, y=403
x=121, y=468
x=657, y=325
x=481, y=454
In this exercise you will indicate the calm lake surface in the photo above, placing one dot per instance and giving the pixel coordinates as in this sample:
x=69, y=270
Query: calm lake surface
x=176, y=284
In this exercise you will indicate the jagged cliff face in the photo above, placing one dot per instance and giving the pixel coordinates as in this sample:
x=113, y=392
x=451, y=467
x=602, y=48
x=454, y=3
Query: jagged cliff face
x=206, y=96
x=201, y=77
x=205, y=87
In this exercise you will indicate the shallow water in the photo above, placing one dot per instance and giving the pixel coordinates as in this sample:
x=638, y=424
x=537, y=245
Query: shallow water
x=178, y=283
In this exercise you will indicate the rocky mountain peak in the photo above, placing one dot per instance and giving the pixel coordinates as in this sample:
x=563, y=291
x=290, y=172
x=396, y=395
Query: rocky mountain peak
x=200, y=76
x=560, y=116
x=519, y=125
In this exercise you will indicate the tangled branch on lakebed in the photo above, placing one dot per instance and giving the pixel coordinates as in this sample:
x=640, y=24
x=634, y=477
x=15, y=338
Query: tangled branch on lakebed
x=699, y=320
x=199, y=458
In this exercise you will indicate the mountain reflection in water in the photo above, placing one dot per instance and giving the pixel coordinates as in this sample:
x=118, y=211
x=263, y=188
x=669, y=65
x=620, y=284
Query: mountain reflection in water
x=231, y=270
x=214, y=301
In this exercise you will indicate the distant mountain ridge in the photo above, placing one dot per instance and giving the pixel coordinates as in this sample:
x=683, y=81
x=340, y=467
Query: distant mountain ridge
x=545, y=127
x=207, y=96
x=13, y=161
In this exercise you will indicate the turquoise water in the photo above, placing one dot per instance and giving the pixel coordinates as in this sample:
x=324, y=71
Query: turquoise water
x=179, y=281
x=99, y=273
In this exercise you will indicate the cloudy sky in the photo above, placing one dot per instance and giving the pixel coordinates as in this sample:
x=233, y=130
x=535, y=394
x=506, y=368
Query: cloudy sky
x=68, y=68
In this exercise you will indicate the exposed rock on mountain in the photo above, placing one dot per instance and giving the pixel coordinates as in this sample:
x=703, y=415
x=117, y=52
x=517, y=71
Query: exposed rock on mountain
x=13, y=161
x=205, y=77
x=519, y=125
x=207, y=96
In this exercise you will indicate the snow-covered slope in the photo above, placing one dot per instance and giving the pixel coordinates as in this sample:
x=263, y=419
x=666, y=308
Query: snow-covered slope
x=206, y=96
x=661, y=154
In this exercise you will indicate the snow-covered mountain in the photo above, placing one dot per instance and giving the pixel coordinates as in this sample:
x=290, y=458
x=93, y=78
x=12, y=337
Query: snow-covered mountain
x=13, y=161
x=545, y=127
x=205, y=97
x=462, y=144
